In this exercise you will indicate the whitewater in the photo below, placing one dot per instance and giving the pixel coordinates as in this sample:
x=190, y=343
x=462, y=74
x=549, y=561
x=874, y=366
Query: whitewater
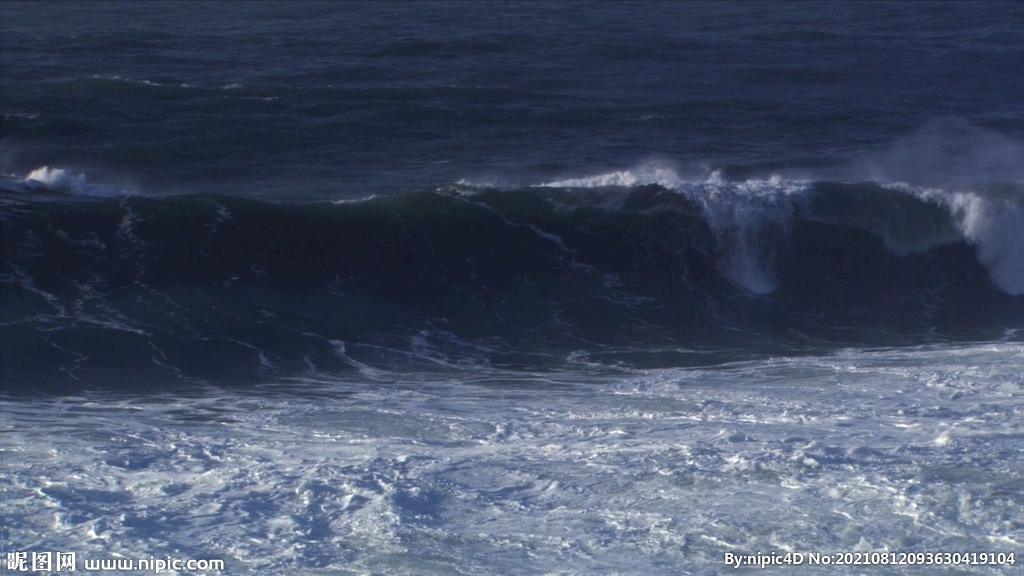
x=550, y=288
x=423, y=451
x=593, y=470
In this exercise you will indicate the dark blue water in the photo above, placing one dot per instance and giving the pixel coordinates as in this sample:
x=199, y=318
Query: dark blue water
x=329, y=100
x=512, y=288
x=236, y=187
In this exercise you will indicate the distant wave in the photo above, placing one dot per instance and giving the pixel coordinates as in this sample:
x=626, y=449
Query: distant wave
x=57, y=178
x=59, y=181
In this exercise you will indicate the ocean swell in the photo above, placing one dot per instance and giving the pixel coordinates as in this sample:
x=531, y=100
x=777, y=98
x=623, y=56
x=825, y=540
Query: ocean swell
x=222, y=289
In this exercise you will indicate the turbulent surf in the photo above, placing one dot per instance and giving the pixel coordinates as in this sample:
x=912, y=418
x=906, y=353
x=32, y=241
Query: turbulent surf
x=651, y=273
x=512, y=288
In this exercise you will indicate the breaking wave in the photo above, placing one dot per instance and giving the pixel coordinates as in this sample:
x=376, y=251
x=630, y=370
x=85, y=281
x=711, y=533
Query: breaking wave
x=628, y=267
x=59, y=181
x=751, y=218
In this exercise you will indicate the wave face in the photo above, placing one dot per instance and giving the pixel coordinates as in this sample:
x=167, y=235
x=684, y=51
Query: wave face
x=641, y=268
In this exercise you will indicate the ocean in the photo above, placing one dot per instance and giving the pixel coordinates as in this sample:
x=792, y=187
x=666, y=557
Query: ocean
x=512, y=287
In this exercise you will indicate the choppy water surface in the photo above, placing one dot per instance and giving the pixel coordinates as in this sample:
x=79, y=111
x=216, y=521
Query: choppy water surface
x=653, y=471
x=512, y=288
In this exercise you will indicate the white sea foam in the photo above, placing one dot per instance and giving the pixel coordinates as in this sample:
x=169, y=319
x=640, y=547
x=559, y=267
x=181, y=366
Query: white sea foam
x=56, y=178
x=652, y=471
x=750, y=218
x=66, y=181
x=992, y=222
x=143, y=82
x=996, y=228
x=751, y=221
x=642, y=176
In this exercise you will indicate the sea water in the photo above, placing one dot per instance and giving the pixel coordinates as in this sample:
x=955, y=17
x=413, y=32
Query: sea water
x=513, y=288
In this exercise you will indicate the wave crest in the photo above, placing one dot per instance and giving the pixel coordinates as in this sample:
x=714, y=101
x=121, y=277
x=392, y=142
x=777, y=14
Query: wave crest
x=751, y=219
x=995, y=227
x=64, y=181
